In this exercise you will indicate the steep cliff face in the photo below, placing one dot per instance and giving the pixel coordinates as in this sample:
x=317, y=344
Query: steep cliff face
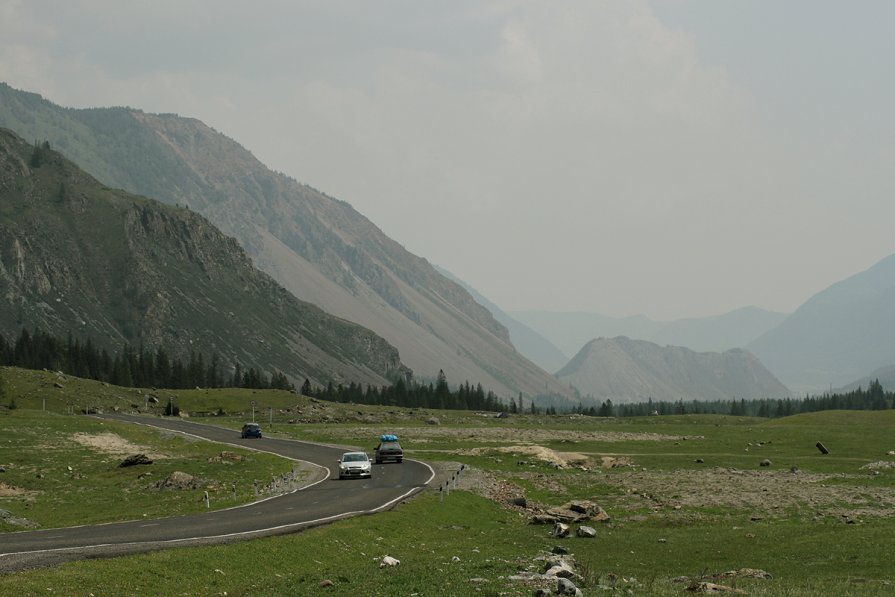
x=78, y=257
x=319, y=248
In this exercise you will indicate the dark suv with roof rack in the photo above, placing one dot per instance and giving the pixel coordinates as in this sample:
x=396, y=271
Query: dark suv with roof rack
x=388, y=449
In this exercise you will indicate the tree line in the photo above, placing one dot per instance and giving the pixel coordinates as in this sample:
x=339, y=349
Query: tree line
x=138, y=367
x=131, y=367
x=407, y=393
x=872, y=398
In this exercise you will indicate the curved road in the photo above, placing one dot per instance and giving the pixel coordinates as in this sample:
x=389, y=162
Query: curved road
x=324, y=500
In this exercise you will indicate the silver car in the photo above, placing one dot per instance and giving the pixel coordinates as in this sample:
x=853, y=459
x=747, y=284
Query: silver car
x=355, y=464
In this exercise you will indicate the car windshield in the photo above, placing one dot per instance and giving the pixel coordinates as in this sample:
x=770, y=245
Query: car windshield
x=354, y=457
x=251, y=426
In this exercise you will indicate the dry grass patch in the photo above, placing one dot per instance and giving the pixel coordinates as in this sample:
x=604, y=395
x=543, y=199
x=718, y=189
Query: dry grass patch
x=113, y=444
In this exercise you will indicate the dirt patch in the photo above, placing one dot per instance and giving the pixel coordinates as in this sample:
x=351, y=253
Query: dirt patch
x=113, y=444
x=557, y=459
x=13, y=491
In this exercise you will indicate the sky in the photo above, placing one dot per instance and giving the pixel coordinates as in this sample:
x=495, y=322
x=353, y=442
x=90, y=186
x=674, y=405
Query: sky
x=676, y=158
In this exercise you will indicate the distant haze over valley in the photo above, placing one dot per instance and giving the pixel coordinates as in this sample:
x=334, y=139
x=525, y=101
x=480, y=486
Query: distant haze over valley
x=319, y=248
x=326, y=253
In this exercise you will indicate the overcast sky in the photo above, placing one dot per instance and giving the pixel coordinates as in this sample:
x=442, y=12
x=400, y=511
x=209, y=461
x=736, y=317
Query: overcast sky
x=674, y=158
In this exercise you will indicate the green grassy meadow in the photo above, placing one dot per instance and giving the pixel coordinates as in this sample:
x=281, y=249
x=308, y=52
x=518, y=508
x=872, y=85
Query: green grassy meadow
x=687, y=497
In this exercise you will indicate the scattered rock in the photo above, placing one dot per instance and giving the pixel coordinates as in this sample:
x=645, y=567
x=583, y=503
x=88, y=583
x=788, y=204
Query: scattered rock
x=388, y=561
x=178, y=480
x=746, y=573
x=433, y=421
x=577, y=511
x=135, y=459
x=560, y=529
x=566, y=587
x=559, y=568
x=699, y=461
x=880, y=464
x=9, y=517
x=710, y=587
x=58, y=385
x=326, y=583
x=587, y=532
x=765, y=462
x=520, y=501
x=541, y=593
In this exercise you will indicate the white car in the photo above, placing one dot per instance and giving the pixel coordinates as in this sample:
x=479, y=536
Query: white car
x=355, y=464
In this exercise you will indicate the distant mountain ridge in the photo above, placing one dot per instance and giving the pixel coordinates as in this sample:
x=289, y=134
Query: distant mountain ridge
x=841, y=334
x=319, y=248
x=735, y=329
x=625, y=370
x=77, y=257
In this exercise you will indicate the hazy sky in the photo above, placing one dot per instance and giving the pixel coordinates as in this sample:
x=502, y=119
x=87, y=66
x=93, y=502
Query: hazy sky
x=673, y=158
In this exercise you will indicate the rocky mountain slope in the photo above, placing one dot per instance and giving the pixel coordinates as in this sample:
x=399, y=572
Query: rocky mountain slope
x=319, y=248
x=625, y=370
x=839, y=335
x=78, y=257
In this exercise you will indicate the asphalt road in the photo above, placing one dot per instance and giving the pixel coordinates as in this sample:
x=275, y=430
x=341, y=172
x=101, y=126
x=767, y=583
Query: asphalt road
x=324, y=500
